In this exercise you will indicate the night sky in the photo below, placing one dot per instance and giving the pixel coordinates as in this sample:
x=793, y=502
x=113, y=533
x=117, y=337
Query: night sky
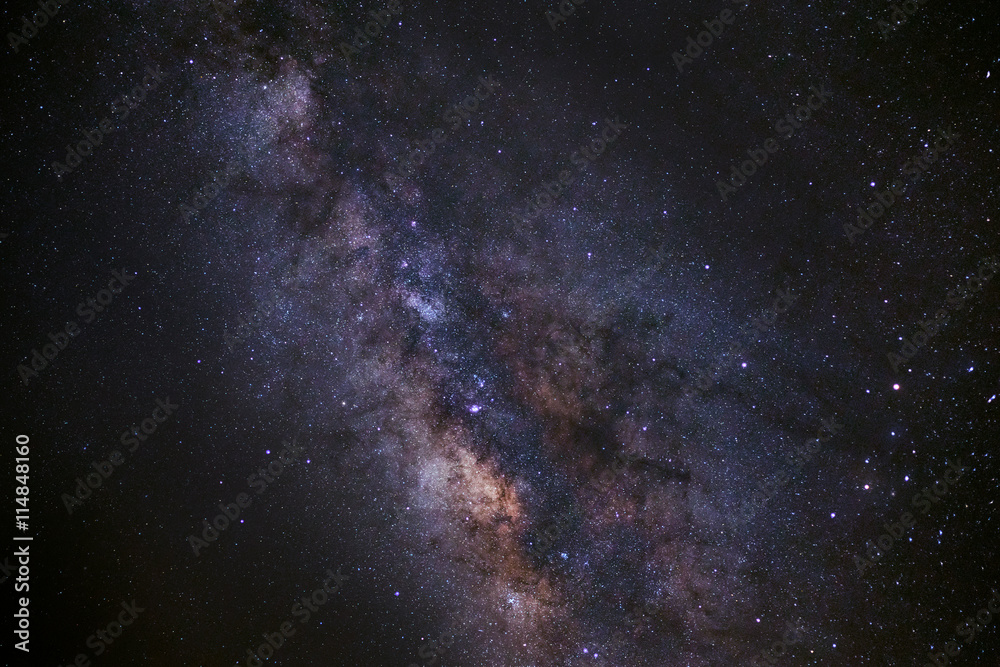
x=523, y=334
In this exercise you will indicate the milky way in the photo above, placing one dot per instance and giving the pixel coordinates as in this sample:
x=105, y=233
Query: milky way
x=480, y=313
